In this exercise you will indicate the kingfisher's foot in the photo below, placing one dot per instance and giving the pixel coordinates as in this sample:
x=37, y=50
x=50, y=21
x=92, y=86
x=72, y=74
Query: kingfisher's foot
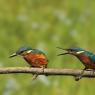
x=91, y=70
x=78, y=77
x=44, y=71
x=42, y=68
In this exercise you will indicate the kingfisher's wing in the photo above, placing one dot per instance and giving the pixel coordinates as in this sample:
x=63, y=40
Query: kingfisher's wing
x=92, y=58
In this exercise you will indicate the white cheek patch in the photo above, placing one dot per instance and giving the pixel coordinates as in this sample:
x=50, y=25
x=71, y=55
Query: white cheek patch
x=29, y=51
x=79, y=52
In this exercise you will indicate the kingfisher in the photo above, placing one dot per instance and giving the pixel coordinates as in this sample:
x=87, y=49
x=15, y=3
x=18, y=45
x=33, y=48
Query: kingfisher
x=34, y=57
x=87, y=58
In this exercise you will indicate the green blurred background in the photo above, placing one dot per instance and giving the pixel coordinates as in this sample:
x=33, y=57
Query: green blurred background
x=46, y=24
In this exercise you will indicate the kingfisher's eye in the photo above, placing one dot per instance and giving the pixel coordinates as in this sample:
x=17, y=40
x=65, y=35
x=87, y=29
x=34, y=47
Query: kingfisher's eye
x=21, y=52
x=70, y=50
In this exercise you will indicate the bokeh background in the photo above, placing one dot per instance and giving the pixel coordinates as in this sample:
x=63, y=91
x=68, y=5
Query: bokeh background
x=46, y=24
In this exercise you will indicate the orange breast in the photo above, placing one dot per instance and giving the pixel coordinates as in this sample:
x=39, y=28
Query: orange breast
x=36, y=60
x=87, y=62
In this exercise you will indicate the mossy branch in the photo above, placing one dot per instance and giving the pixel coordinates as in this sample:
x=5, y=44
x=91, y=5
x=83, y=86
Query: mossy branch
x=47, y=71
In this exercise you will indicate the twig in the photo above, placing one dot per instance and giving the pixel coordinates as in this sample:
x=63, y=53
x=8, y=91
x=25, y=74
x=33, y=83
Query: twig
x=47, y=71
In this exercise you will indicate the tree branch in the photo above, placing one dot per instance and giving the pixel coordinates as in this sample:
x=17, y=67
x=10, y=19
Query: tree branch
x=47, y=71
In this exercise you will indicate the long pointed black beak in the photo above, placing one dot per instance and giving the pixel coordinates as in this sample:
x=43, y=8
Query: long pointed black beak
x=66, y=51
x=13, y=55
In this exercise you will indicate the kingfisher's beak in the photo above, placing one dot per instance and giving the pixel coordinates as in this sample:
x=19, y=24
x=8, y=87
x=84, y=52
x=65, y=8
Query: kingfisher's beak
x=13, y=55
x=66, y=51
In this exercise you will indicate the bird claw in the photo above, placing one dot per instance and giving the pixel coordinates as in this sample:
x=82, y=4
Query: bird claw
x=43, y=70
x=77, y=78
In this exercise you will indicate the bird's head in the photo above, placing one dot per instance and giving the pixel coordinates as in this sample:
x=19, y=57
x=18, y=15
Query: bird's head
x=73, y=51
x=22, y=51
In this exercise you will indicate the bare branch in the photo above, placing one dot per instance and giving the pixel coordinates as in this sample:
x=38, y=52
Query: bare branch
x=48, y=71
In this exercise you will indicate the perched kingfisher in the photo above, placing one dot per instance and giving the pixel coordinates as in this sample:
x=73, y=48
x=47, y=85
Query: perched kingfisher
x=86, y=57
x=34, y=57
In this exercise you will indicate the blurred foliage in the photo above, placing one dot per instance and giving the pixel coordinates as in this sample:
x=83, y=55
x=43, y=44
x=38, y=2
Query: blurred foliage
x=46, y=24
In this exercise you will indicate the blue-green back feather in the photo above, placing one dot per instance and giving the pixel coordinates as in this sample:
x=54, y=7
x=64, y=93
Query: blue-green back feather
x=92, y=58
x=87, y=53
x=77, y=49
x=23, y=49
x=37, y=51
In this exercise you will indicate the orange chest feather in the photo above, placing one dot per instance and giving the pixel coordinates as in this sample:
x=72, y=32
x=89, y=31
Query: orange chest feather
x=85, y=59
x=87, y=62
x=32, y=58
x=35, y=56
